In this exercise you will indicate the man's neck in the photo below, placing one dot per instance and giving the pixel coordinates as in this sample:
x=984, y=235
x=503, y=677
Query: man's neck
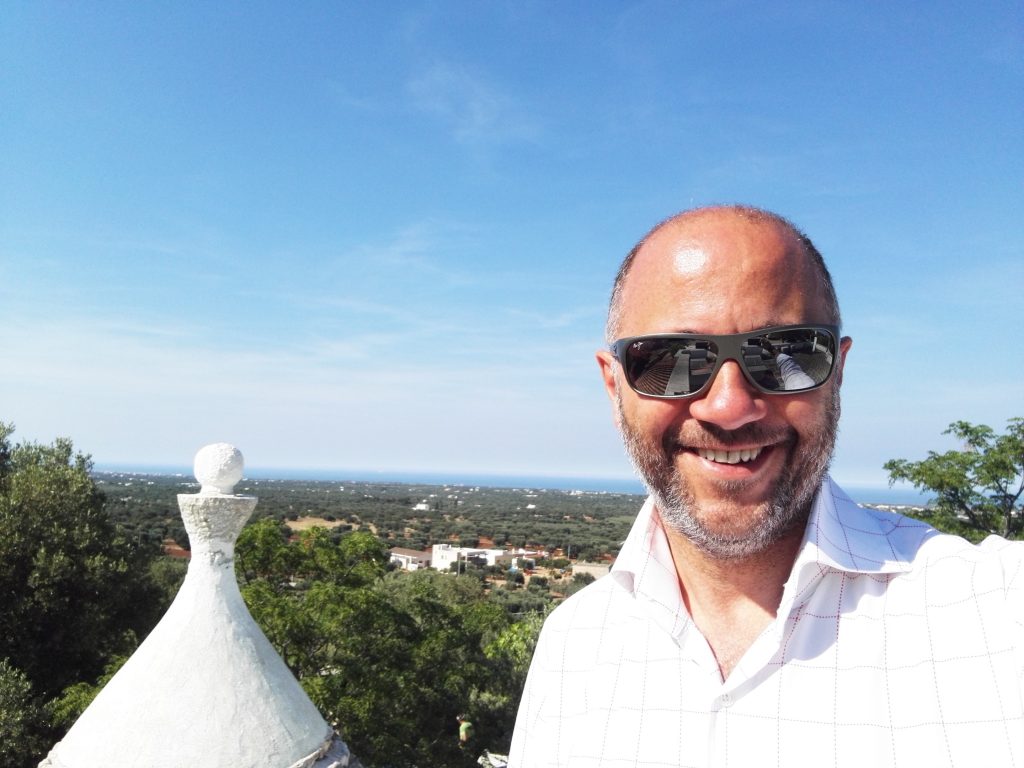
x=732, y=600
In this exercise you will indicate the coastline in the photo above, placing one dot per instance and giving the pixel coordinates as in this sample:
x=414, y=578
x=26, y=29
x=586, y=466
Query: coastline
x=898, y=495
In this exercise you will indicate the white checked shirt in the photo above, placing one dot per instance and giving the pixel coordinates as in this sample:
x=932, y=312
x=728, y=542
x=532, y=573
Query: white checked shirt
x=894, y=646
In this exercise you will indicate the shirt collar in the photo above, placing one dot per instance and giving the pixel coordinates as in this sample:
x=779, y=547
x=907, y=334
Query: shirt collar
x=847, y=537
x=645, y=568
x=840, y=535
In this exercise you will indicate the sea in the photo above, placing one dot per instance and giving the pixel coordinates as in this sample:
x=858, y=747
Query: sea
x=897, y=495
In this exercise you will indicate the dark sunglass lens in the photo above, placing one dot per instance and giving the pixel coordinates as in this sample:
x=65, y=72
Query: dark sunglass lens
x=790, y=360
x=759, y=362
x=668, y=367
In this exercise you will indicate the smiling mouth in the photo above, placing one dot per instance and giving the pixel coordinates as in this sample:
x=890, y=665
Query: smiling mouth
x=729, y=457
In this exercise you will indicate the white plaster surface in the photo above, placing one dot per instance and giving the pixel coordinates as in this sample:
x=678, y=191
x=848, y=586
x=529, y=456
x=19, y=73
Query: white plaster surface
x=206, y=688
x=218, y=467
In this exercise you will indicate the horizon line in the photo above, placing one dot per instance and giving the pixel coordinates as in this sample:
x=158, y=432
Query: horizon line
x=631, y=485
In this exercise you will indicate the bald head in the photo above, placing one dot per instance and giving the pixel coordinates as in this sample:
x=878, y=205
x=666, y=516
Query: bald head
x=678, y=246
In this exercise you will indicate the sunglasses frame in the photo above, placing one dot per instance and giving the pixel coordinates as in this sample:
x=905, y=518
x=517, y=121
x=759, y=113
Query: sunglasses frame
x=729, y=347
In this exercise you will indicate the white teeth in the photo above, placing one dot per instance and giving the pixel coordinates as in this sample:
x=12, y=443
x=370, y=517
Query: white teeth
x=729, y=457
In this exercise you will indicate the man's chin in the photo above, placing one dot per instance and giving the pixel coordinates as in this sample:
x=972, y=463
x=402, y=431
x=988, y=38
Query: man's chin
x=738, y=532
x=736, y=499
x=735, y=517
x=725, y=509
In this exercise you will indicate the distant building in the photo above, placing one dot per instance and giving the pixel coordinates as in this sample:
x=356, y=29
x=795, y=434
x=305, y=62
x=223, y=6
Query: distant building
x=410, y=559
x=520, y=559
x=444, y=555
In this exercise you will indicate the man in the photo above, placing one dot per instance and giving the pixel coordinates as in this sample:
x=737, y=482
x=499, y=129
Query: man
x=465, y=730
x=756, y=616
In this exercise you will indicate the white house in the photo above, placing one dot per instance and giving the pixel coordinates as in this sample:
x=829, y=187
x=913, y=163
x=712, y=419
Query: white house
x=410, y=559
x=444, y=555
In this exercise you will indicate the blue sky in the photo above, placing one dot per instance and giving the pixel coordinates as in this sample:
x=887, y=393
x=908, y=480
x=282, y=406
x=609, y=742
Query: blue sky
x=380, y=236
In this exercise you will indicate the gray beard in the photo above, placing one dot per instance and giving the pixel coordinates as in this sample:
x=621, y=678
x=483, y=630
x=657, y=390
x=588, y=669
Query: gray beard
x=786, y=510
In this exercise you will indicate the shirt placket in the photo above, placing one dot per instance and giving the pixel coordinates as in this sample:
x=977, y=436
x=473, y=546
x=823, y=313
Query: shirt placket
x=708, y=694
x=727, y=695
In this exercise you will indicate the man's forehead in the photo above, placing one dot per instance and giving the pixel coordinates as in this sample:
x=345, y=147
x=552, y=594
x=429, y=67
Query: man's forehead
x=688, y=258
x=713, y=240
x=720, y=273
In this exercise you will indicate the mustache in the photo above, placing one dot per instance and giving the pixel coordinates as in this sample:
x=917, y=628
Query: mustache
x=693, y=435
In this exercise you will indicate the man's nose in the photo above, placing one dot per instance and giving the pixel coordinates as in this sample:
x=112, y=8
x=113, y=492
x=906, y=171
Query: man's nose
x=731, y=401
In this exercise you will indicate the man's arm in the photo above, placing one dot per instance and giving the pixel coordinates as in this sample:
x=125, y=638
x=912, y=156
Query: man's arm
x=1011, y=555
x=535, y=738
x=793, y=376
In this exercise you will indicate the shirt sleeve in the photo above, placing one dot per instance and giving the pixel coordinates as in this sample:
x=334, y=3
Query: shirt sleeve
x=1011, y=555
x=535, y=738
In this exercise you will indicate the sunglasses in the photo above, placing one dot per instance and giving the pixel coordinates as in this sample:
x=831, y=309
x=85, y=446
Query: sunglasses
x=781, y=360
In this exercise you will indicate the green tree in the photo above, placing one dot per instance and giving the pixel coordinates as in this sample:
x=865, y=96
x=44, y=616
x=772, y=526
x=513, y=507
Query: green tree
x=539, y=582
x=24, y=724
x=496, y=704
x=392, y=658
x=978, y=488
x=167, y=574
x=294, y=588
x=67, y=708
x=450, y=621
x=75, y=593
x=262, y=554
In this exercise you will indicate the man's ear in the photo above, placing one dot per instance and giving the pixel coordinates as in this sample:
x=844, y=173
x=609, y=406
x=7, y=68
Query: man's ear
x=606, y=362
x=844, y=346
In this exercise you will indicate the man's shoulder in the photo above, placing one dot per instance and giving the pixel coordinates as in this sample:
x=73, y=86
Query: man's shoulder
x=925, y=550
x=871, y=539
x=596, y=626
x=1006, y=556
x=600, y=601
x=925, y=541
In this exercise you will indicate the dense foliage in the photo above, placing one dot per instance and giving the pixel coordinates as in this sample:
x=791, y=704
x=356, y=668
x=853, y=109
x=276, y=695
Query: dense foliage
x=392, y=658
x=24, y=723
x=977, y=488
x=585, y=524
x=75, y=593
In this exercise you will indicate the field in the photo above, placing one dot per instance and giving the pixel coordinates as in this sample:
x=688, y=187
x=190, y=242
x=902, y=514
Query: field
x=581, y=524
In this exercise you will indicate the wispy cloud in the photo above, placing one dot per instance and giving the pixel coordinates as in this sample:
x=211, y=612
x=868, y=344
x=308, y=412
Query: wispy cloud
x=424, y=247
x=376, y=400
x=343, y=95
x=476, y=110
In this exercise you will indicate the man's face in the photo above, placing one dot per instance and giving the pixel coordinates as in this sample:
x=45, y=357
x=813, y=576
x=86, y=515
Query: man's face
x=725, y=274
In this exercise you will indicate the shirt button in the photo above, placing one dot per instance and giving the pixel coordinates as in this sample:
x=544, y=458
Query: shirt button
x=725, y=700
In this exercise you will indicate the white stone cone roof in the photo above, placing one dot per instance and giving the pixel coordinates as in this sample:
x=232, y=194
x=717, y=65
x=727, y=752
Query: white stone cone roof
x=205, y=689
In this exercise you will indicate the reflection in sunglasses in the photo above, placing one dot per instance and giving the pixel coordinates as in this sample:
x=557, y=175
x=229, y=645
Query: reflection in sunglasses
x=779, y=360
